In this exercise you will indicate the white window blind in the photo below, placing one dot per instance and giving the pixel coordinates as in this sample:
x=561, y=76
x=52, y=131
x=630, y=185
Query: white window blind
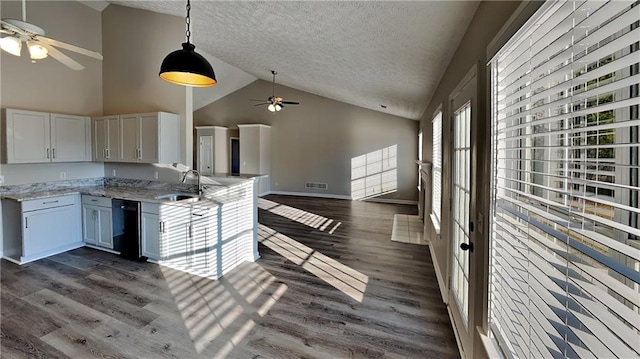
x=436, y=193
x=565, y=237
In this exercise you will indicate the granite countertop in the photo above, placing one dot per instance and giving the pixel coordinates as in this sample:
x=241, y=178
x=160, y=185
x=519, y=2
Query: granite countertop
x=119, y=192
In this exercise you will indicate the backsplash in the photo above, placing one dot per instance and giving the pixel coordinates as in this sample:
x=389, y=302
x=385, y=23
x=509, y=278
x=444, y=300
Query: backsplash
x=52, y=186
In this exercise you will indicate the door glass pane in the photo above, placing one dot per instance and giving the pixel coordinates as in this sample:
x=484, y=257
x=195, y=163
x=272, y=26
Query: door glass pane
x=461, y=192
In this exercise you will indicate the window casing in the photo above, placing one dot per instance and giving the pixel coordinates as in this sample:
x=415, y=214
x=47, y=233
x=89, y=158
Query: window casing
x=565, y=249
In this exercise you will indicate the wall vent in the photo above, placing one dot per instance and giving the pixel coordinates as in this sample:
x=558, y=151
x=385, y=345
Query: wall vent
x=316, y=185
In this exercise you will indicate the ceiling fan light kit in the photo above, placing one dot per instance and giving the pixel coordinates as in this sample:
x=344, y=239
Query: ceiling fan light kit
x=11, y=45
x=275, y=103
x=40, y=47
x=185, y=66
x=37, y=51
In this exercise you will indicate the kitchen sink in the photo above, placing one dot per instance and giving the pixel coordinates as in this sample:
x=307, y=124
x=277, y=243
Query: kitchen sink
x=174, y=197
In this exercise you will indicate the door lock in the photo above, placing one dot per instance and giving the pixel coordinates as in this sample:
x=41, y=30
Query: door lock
x=467, y=246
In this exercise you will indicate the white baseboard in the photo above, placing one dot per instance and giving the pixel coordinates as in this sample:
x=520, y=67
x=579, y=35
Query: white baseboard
x=436, y=267
x=392, y=201
x=51, y=252
x=337, y=196
x=102, y=249
x=309, y=194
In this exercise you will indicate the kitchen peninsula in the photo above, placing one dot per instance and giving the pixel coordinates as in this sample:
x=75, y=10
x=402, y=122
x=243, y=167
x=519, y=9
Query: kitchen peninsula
x=206, y=234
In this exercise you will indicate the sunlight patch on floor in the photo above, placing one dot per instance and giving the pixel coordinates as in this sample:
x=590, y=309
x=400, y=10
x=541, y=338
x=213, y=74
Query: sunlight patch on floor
x=345, y=279
x=218, y=314
x=307, y=218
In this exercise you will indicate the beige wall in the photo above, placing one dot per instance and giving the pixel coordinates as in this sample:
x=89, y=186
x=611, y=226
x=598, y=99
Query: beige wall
x=135, y=43
x=317, y=140
x=490, y=17
x=50, y=86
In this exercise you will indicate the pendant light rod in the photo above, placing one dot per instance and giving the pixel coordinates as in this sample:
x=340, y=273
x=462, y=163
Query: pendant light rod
x=273, y=84
x=188, y=21
x=24, y=10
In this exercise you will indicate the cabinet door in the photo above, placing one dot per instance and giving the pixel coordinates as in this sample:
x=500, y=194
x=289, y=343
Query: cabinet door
x=28, y=136
x=90, y=224
x=198, y=258
x=148, y=138
x=100, y=139
x=105, y=227
x=129, y=138
x=175, y=246
x=113, y=139
x=151, y=236
x=70, y=138
x=47, y=229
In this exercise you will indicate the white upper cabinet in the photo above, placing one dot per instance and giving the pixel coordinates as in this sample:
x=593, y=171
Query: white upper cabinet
x=70, y=138
x=106, y=139
x=39, y=137
x=150, y=138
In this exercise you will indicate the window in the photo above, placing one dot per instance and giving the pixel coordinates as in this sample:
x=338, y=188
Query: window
x=436, y=193
x=565, y=249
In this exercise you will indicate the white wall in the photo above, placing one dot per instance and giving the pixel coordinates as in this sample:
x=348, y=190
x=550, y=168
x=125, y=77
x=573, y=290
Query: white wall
x=316, y=141
x=50, y=86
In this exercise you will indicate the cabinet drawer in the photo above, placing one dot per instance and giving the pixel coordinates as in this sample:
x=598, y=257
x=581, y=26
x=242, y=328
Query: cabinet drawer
x=36, y=204
x=97, y=201
x=152, y=208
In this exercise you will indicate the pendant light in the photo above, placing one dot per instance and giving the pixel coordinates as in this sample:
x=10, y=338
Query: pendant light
x=185, y=66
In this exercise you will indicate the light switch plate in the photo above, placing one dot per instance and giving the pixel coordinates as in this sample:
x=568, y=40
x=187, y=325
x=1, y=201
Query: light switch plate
x=1, y=179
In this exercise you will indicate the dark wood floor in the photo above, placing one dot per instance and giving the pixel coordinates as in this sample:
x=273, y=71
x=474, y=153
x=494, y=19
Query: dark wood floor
x=320, y=290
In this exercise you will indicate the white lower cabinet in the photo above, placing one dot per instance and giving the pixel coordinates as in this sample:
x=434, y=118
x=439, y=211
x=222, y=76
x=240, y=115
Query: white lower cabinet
x=150, y=232
x=36, y=229
x=97, y=221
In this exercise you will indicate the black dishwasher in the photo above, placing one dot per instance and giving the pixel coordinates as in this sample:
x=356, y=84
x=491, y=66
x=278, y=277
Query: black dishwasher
x=126, y=229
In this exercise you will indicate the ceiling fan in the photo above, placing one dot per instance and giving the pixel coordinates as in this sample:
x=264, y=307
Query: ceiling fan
x=40, y=47
x=275, y=103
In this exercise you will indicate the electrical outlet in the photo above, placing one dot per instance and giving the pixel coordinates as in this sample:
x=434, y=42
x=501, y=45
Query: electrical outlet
x=63, y=175
x=155, y=174
x=113, y=173
x=1, y=179
x=276, y=184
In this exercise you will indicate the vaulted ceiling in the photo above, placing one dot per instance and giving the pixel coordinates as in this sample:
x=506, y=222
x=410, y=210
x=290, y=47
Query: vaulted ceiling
x=364, y=53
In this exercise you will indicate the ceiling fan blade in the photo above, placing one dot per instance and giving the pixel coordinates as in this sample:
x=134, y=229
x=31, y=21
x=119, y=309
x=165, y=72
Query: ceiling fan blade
x=64, y=45
x=260, y=104
x=66, y=60
x=290, y=102
x=253, y=99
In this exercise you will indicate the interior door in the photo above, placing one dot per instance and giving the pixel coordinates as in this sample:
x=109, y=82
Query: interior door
x=205, y=155
x=462, y=286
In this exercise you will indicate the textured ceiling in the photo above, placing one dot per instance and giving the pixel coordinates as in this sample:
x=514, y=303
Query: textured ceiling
x=362, y=53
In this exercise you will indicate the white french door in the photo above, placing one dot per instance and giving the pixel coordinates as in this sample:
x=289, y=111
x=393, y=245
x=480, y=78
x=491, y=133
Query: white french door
x=462, y=285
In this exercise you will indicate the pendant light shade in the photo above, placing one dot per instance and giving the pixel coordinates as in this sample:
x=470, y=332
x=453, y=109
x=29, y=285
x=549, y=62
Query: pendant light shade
x=185, y=66
x=188, y=68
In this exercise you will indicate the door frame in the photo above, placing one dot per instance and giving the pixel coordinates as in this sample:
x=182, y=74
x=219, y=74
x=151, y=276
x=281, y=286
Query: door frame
x=464, y=334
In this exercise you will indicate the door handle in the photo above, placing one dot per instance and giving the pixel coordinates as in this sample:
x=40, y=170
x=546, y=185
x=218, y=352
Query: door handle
x=467, y=246
x=53, y=152
x=108, y=153
x=47, y=153
x=26, y=222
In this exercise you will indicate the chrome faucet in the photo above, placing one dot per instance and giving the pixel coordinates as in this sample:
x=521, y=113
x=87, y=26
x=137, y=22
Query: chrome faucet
x=195, y=172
